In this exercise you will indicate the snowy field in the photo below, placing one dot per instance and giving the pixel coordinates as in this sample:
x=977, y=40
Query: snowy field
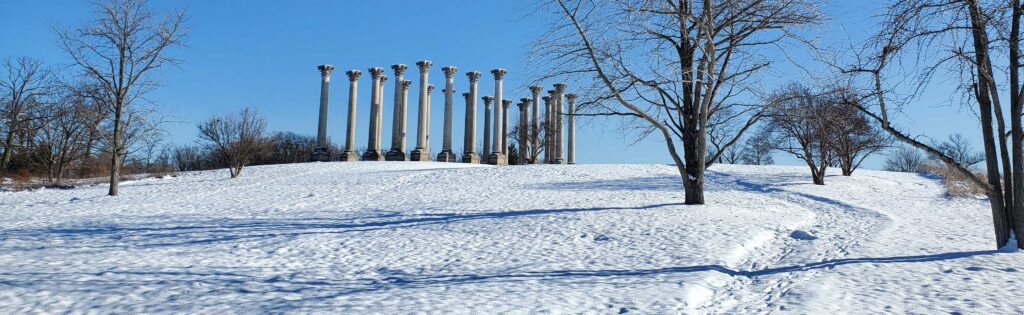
x=368, y=237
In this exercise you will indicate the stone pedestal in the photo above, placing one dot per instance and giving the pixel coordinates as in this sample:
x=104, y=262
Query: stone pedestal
x=447, y=155
x=497, y=157
x=373, y=149
x=469, y=142
x=350, y=132
x=398, y=121
x=320, y=153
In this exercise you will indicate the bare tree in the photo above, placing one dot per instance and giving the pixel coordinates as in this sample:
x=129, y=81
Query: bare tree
x=959, y=148
x=120, y=50
x=802, y=123
x=236, y=140
x=24, y=83
x=905, y=47
x=757, y=149
x=670, y=66
x=63, y=136
x=854, y=137
x=904, y=159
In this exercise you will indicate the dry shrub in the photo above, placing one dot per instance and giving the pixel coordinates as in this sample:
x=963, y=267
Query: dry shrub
x=957, y=185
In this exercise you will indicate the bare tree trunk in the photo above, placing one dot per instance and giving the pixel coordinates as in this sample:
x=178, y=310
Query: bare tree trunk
x=115, y=154
x=8, y=148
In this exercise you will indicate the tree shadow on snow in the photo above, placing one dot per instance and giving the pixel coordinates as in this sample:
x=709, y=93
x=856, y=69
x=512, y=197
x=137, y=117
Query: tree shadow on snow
x=100, y=235
x=264, y=289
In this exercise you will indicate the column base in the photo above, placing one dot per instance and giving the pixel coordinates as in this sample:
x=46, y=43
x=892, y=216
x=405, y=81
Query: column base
x=372, y=156
x=349, y=156
x=395, y=155
x=558, y=161
x=447, y=156
x=320, y=155
x=471, y=158
x=497, y=159
x=420, y=155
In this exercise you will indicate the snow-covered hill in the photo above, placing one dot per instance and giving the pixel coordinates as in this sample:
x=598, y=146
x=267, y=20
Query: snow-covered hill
x=393, y=237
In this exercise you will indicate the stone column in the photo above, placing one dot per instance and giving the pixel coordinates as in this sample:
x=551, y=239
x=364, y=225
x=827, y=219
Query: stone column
x=559, y=123
x=422, y=151
x=373, y=151
x=447, y=155
x=535, y=125
x=497, y=157
x=549, y=128
x=380, y=115
x=505, y=104
x=469, y=146
x=350, y=132
x=397, y=151
x=570, y=145
x=524, y=130
x=487, y=124
x=320, y=153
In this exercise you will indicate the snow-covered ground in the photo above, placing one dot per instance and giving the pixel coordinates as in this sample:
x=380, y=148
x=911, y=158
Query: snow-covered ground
x=396, y=237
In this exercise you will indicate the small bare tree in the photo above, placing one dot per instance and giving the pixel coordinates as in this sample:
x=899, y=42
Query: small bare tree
x=959, y=148
x=236, y=140
x=854, y=137
x=758, y=148
x=905, y=159
x=802, y=122
x=120, y=50
x=62, y=138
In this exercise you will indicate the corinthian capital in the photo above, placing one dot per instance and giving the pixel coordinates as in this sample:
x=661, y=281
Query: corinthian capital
x=449, y=71
x=325, y=70
x=488, y=99
x=559, y=87
x=399, y=69
x=536, y=89
x=430, y=88
x=473, y=76
x=498, y=73
x=424, y=65
x=571, y=97
x=353, y=75
x=376, y=72
x=505, y=103
x=406, y=84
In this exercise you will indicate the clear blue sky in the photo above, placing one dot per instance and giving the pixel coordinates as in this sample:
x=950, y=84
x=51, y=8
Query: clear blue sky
x=264, y=54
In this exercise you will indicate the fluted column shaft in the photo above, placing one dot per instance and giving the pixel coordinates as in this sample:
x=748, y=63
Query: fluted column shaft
x=350, y=131
x=571, y=126
x=505, y=104
x=325, y=87
x=469, y=146
x=535, y=125
x=497, y=156
x=373, y=150
x=422, y=151
x=447, y=155
x=487, y=124
x=559, y=123
x=524, y=131
x=397, y=151
x=549, y=128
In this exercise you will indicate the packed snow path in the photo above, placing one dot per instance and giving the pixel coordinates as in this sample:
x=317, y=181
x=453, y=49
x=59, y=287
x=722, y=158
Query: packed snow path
x=393, y=237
